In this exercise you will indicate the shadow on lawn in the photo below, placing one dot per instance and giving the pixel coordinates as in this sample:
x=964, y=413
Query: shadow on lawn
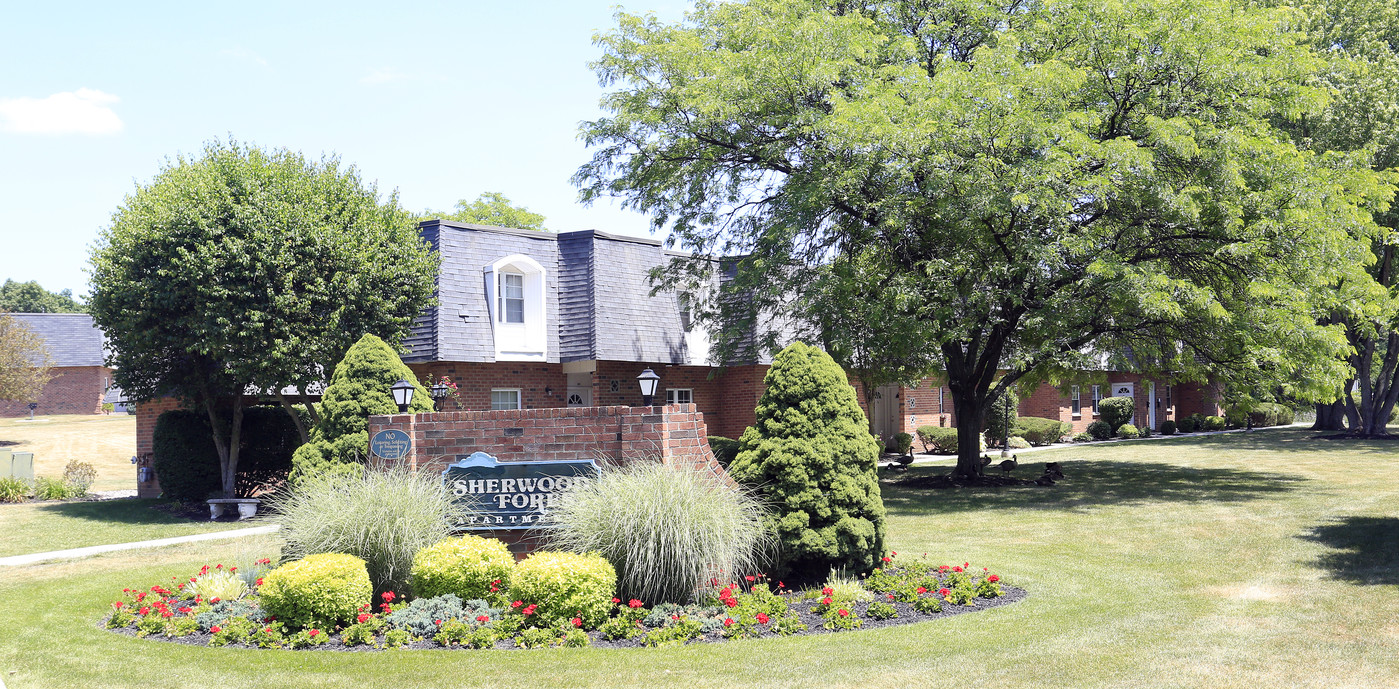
x=121, y=511
x=1091, y=483
x=1365, y=550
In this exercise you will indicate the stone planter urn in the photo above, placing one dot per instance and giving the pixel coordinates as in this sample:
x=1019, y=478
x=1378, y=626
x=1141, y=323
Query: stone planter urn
x=247, y=507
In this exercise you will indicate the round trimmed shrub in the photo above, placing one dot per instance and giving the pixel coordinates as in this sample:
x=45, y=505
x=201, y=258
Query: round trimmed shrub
x=1213, y=423
x=1016, y=442
x=1115, y=411
x=1127, y=430
x=1191, y=423
x=319, y=591
x=565, y=585
x=1039, y=431
x=465, y=566
x=1083, y=437
x=1004, y=409
x=1100, y=430
x=1168, y=428
x=810, y=455
x=904, y=443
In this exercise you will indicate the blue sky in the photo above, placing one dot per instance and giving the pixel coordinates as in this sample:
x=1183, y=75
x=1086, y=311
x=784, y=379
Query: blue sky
x=441, y=101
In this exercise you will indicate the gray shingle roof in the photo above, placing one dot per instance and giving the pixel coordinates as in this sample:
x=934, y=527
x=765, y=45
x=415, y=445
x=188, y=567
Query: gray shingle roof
x=71, y=338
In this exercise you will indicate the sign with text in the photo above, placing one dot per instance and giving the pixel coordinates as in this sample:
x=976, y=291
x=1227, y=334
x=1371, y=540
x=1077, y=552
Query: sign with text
x=512, y=495
x=390, y=444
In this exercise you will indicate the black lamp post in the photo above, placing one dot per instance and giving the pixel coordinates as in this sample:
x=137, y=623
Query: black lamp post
x=648, y=380
x=402, y=395
x=1005, y=429
x=438, y=392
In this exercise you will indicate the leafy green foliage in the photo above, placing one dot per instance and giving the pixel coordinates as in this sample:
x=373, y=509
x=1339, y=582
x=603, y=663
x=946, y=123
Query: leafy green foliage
x=725, y=449
x=565, y=585
x=30, y=297
x=381, y=516
x=360, y=387
x=246, y=267
x=24, y=361
x=318, y=591
x=1001, y=418
x=1115, y=411
x=1213, y=423
x=938, y=439
x=469, y=567
x=49, y=488
x=1168, y=427
x=664, y=529
x=1040, y=431
x=187, y=462
x=811, y=457
x=1100, y=430
x=1271, y=414
x=78, y=476
x=1128, y=431
x=903, y=442
x=13, y=489
x=492, y=208
x=1126, y=190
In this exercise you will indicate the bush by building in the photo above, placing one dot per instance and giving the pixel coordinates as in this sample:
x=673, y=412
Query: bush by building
x=1040, y=431
x=725, y=449
x=1002, y=416
x=1115, y=411
x=187, y=464
x=1128, y=431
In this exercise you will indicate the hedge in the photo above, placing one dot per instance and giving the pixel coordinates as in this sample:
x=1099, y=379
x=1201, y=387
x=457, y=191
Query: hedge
x=187, y=464
x=1040, y=431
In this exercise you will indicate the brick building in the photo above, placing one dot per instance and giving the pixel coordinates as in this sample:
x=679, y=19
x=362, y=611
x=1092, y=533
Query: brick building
x=80, y=375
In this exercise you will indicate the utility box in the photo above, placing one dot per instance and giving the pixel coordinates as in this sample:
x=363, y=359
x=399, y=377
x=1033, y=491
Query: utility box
x=18, y=465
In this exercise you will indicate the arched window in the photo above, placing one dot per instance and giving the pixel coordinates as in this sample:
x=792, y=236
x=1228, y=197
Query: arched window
x=515, y=296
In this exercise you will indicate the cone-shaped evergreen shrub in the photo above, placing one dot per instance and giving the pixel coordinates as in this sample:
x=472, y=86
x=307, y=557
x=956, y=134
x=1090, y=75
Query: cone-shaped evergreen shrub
x=359, y=387
x=811, y=456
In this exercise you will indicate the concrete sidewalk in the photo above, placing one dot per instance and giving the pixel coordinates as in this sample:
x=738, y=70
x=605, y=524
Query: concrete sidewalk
x=73, y=553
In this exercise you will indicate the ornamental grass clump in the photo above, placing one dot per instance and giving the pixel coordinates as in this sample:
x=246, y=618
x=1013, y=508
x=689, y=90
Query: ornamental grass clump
x=666, y=530
x=382, y=516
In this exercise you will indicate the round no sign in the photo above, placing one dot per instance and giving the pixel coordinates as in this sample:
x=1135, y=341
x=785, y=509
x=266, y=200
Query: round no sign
x=391, y=444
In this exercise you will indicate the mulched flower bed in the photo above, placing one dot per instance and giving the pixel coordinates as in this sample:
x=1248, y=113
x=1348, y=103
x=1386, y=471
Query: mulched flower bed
x=904, y=592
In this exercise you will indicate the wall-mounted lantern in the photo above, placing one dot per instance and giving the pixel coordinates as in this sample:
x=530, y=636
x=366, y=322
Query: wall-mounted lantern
x=439, y=392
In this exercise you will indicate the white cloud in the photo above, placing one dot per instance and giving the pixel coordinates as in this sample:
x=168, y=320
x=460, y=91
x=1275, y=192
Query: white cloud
x=241, y=53
x=85, y=111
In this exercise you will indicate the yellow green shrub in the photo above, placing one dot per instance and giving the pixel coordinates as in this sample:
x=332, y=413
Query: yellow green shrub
x=467, y=565
x=319, y=591
x=565, y=585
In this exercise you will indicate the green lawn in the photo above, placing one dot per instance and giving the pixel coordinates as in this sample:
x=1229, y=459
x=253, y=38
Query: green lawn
x=1245, y=560
x=107, y=442
x=43, y=526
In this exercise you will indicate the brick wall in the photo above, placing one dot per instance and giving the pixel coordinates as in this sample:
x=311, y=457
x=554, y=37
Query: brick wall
x=146, y=415
x=72, y=390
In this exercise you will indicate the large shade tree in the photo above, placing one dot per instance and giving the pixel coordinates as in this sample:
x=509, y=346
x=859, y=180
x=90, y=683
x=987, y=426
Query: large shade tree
x=24, y=361
x=1359, y=40
x=248, y=270
x=1039, y=180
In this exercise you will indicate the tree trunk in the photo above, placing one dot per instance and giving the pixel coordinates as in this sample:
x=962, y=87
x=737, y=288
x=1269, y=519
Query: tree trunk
x=226, y=445
x=295, y=418
x=969, y=417
x=1330, y=417
x=311, y=410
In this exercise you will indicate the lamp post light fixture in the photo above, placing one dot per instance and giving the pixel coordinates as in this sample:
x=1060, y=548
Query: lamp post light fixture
x=648, y=380
x=439, y=392
x=402, y=395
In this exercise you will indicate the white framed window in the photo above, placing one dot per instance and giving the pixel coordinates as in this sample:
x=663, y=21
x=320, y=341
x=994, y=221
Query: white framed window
x=511, y=308
x=1075, y=404
x=505, y=398
x=1168, y=397
x=679, y=396
x=1097, y=395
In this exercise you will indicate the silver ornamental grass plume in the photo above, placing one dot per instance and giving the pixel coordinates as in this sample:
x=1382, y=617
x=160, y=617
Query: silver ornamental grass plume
x=382, y=516
x=667, y=531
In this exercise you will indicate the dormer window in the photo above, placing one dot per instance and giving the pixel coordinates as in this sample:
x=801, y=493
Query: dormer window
x=512, y=298
x=516, y=299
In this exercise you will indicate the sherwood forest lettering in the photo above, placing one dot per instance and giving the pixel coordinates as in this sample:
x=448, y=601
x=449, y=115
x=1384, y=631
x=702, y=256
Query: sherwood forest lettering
x=512, y=495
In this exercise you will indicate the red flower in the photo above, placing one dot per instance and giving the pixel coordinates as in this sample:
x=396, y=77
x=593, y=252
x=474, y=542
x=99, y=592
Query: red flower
x=167, y=613
x=517, y=604
x=762, y=618
x=215, y=629
x=214, y=599
x=186, y=609
x=266, y=630
x=616, y=601
x=140, y=596
x=922, y=590
x=144, y=610
x=942, y=568
x=363, y=617
x=943, y=592
x=891, y=596
x=966, y=564
x=713, y=581
x=956, y=569
x=314, y=632
x=843, y=612
x=259, y=581
x=577, y=621
x=893, y=553
x=437, y=622
x=388, y=596
x=118, y=604
x=827, y=600
x=993, y=578
x=634, y=603
x=674, y=617
x=751, y=578
x=482, y=619
x=218, y=566
x=529, y=609
x=886, y=559
x=781, y=585
x=728, y=621
x=828, y=591
x=731, y=602
x=193, y=579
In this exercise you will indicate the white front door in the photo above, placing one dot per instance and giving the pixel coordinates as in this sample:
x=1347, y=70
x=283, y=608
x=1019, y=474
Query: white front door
x=886, y=411
x=1151, y=405
x=1123, y=390
x=580, y=390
